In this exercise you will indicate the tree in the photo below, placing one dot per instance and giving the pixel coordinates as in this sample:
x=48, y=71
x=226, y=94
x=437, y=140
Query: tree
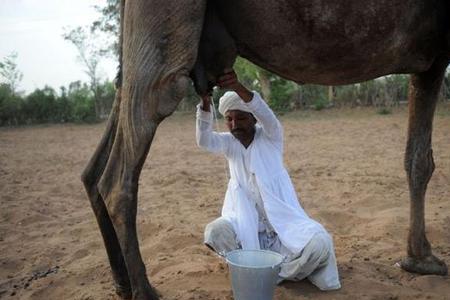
x=255, y=77
x=10, y=73
x=10, y=106
x=280, y=94
x=106, y=94
x=80, y=97
x=90, y=56
x=109, y=23
x=40, y=106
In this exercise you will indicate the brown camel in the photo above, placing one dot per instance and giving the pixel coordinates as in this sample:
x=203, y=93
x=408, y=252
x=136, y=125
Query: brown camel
x=166, y=43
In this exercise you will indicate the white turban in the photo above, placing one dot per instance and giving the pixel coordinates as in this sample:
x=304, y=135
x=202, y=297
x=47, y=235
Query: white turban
x=232, y=101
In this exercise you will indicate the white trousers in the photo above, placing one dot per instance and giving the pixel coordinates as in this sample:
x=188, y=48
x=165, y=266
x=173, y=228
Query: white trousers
x=313, y=262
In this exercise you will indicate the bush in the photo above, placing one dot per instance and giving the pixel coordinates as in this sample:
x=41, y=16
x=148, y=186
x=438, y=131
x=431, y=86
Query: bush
x=383, y=111
x=81, y=99
x=64, y=108
x=315, y=96
x=75, y=104
x=10, y=106
x=320, y=104
x=281, y=94
x=40, y=106
x=347, y=95
x=106, y=93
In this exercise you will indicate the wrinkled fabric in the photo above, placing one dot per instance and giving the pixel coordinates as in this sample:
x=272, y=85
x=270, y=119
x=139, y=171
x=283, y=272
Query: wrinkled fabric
x=315, y=260
x=263, y=160
x=220, y=236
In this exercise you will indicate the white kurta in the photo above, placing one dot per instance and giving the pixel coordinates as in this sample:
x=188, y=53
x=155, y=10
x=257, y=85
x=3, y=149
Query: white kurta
x=265, y=157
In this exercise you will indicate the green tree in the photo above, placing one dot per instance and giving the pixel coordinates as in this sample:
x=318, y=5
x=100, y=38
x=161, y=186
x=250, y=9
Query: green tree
x=109, y=23
x=9, y=72
x=10, y=106
x=281, y=94
x=314, y=96
x=82, y=102
x=40, y=106
x=64, y=107
x=106, y=93
x=90, y=55
x=395, y=89
x=347, y=95
x=255, y=78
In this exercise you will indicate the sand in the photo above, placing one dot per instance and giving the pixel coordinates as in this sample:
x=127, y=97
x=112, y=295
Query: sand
x=347, y=167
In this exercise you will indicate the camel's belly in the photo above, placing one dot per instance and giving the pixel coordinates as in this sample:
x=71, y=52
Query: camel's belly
x=336, y=42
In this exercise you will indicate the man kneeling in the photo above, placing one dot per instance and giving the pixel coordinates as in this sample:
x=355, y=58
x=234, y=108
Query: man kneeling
x=261, y=209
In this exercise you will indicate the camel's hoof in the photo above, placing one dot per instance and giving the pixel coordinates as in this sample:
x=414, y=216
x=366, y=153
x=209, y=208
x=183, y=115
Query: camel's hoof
x=148, y=293
x=124, y=292
x=430, y=265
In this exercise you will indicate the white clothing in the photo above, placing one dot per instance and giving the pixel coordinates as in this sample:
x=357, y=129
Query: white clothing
x=254, y=195
x=263, y=161
x=310, y=263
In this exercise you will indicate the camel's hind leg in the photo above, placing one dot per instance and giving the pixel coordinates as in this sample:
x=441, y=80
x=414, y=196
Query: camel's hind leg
x=160, y=40
x=419, y=165
x=90, y=178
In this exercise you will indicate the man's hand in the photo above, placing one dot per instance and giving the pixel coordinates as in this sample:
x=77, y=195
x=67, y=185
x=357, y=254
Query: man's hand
x=206, y=103
x=229, y=81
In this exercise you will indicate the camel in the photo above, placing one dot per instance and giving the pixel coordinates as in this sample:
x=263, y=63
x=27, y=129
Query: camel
x=168, y=44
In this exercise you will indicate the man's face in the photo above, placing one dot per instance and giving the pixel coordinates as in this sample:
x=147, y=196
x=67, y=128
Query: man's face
x=241, y=124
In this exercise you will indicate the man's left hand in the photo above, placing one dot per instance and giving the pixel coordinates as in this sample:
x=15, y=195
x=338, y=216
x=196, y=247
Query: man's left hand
x=229, y=81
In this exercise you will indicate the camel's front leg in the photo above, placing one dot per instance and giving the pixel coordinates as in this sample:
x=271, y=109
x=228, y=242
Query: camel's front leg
x=419, y=165
x=90, y=178
x=160, y=41
x=119, y=183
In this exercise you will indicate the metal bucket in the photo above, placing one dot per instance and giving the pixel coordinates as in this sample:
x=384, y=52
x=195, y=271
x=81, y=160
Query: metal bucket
x=254, y=273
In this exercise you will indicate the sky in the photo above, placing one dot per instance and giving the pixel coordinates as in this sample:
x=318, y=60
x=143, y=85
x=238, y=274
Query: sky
x=34, y=28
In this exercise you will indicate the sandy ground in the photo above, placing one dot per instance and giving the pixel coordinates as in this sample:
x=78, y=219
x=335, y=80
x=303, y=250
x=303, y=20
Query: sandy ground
x=347, y=167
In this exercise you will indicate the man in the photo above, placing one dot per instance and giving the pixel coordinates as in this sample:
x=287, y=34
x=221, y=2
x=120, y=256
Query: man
x=261, y=209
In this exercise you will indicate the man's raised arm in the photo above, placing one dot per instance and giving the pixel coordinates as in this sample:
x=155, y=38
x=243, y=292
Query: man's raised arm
x=260, y=110
x=206, y=138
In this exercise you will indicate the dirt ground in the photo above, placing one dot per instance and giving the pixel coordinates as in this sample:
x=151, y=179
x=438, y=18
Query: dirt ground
x=347, y=167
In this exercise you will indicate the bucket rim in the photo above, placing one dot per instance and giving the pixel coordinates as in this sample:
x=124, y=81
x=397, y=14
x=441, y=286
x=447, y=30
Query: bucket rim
x=256, y=267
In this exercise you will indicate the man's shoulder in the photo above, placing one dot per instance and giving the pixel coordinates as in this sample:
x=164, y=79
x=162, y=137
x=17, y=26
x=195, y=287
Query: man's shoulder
x=260, y=133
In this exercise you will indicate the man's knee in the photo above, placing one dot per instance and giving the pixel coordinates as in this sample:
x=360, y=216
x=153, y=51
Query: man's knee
x=325, y=277
x=218, y=228
x=320, y=248
x=220, y=236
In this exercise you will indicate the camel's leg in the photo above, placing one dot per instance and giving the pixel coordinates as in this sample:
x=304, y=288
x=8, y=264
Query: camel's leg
x=90, y=178
x=419, y=166
x=160, y=40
